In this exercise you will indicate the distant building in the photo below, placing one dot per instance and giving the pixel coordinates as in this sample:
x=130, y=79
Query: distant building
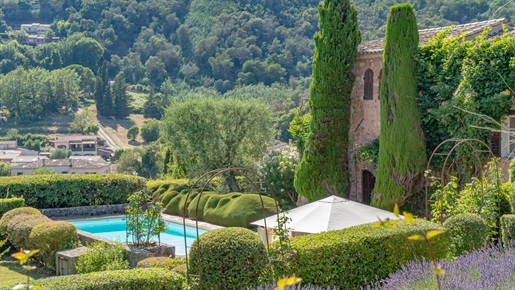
x=79, y=144
x=63, y=166
x=22, y=159
x=9, y=145
x=35, y=28
x=9, y=155
x=38, y=40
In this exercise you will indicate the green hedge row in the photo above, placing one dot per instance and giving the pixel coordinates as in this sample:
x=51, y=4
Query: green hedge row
x=67, y=190
x=136, y=279
x=468, y=232
x=6, y=204
x=357, y=256
x=229, y=210
x=508, y=229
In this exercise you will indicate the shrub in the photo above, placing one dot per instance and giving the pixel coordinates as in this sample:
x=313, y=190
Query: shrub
x=356, y=256
x=51, y=237
x=229, y=210
x=6, y=204
x=14, y=212
x=150, y=131
x=490, y=268
x=137, y=279
x=468, y=232
x=174, y=264
x=19, y=228
x=508, y=228
x=230, y=258
x=278, y=169
x=68, y=190
x=101, y=256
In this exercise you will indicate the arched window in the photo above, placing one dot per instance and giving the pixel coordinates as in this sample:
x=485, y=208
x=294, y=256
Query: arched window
x=369, y=84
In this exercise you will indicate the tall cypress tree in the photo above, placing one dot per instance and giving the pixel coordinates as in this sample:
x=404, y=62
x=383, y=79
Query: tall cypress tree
x=101, y=85
x=121, y=100
x=402, y=153
x=323, y=170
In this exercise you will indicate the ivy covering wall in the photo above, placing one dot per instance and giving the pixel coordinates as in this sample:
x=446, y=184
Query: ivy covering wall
x=323, y=169
x=401, y=154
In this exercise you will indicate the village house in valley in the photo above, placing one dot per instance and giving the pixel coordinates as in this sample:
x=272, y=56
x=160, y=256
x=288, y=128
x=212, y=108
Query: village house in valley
x=364, y=119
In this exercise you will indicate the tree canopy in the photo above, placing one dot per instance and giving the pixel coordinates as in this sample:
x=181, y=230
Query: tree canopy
x=211, y=133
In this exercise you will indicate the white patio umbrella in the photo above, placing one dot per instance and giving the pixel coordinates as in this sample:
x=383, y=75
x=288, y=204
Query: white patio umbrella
x=331, y=213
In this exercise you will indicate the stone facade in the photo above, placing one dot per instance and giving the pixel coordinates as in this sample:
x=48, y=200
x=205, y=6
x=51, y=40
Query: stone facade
x=364, y=119
x=365, y=113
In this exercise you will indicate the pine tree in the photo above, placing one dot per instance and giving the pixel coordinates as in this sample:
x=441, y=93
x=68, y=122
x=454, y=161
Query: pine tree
x=323, y=169
x=121, y=100
x=402, y=153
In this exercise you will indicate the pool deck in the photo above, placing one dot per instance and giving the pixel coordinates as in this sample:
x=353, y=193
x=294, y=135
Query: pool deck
x=166, y=217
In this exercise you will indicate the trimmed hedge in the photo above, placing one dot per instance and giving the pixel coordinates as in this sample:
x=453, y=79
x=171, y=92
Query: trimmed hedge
x=230, y=258
x=229, y=210
x=6, y=204
x=69, y=190
x=20, y=227
x=174, y=264
x=14, y=212
x=468, y=232
x=51, y=237
x=137, y=279
x=508, y=228
x=357, y=256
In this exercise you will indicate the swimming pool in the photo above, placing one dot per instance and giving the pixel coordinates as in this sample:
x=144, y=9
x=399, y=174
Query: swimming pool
x=114, y=229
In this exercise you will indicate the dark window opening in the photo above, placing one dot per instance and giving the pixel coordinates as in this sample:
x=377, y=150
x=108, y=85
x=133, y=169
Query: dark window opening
x=369, y=85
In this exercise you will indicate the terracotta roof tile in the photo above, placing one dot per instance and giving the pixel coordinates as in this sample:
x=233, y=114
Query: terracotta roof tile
x=471, y=29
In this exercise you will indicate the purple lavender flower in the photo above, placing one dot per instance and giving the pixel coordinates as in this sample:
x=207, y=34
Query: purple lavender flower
x=491, y=268
x=295, y=287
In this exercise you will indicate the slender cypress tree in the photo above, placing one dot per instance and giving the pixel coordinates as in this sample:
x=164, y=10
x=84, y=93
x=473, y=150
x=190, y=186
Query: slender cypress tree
x=323, y=170
x=402, y=154
x=120, y=98
x=101, y=85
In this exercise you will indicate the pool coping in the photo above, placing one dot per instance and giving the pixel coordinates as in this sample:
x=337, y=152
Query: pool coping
x=170, y=218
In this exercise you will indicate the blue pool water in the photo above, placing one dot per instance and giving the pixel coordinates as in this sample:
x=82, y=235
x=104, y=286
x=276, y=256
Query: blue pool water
x=114, y=229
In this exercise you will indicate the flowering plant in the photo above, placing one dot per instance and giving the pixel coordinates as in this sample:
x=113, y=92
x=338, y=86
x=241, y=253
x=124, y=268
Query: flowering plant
x=278, y=169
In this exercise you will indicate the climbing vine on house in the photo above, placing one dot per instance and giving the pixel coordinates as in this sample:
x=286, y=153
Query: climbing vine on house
x=323, y=169
x=401, y=158
x=459, y=79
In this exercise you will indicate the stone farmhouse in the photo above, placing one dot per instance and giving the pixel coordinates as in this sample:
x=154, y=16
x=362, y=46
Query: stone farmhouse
x=364, y=119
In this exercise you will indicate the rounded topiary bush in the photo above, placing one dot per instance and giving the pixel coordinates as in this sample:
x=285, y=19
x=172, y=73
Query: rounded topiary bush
x=14, y=212
x=20, y=226
x=230, y=258
x=51, y=237
x=468, y=232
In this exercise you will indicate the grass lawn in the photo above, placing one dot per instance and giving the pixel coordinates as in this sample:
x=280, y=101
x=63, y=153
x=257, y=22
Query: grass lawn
x=13, y=273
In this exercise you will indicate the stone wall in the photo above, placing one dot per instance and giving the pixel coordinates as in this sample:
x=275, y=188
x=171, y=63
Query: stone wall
x=85, y=210
x=364, y=119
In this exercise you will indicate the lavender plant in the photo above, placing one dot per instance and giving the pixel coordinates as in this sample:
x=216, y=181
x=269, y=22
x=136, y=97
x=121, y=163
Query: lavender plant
x=294, y=287
x=490, y=268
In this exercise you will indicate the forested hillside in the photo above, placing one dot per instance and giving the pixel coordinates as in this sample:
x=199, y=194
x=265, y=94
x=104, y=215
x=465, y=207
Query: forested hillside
x=176, y=48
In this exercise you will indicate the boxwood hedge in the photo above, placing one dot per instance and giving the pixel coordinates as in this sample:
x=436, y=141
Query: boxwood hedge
x=468, y=232
x=6, y=204
x=354, y=257
x=69, y=190
x=230, y=210
x=6, y=217
x=508, y=229
x=136, y=279
x=51, y=237
x=230, y=258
